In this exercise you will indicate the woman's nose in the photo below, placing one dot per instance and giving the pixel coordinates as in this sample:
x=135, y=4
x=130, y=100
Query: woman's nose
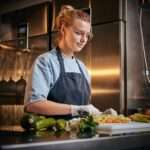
x=83, y=39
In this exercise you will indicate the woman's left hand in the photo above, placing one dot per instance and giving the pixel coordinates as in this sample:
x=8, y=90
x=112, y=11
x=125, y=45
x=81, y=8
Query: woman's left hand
x=92, y=110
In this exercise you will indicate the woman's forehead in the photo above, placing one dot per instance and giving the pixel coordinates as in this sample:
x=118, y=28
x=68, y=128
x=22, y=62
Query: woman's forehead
x=81, y=24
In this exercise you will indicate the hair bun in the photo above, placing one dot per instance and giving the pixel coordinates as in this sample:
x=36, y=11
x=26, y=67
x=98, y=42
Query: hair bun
x=66, y=8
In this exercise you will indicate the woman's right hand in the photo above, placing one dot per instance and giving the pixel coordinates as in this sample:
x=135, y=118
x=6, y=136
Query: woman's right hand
x=91, y=109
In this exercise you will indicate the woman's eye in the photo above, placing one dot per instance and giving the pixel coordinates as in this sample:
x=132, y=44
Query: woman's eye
x=78, y=33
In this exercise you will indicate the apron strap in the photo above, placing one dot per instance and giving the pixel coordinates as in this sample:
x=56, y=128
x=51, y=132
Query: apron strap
x=80, y=68
x=61, y=61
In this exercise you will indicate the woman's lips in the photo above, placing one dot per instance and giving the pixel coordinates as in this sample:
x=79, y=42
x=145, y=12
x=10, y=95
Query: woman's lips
x=79, y=45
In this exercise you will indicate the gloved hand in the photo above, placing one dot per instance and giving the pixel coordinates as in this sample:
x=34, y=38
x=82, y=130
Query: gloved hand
x=110, y=111
x=92, y=110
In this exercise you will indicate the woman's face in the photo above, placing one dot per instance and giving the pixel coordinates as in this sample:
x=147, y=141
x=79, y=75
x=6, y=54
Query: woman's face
x=76, y=36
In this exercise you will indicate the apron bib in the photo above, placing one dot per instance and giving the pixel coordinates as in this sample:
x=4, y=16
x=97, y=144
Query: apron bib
x=70, y=88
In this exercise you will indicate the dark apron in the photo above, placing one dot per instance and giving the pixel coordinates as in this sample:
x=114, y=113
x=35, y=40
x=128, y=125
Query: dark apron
x=70, y=88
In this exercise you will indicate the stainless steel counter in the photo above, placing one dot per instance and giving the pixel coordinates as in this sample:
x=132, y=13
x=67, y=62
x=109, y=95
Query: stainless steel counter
x=18, y=140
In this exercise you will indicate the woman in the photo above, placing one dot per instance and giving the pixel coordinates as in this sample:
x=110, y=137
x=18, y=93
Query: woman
x=60, y=84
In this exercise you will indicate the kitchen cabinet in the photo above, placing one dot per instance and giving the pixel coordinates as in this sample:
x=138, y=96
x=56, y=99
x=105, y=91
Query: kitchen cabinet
x=22, y=38
x=21, y=25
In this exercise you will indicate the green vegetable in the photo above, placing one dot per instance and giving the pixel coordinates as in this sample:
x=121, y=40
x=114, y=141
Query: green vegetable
x=44, y=124
x=87, y=127
x=29, y=120
x=61, y=124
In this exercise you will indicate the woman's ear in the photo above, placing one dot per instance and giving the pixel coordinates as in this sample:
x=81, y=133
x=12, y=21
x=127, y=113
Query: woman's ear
x=62, y=29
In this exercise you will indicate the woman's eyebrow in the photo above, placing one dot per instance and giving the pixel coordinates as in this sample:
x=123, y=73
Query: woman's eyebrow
x=80, y=30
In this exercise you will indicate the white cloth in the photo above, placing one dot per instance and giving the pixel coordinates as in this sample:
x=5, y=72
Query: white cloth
x=110, y=111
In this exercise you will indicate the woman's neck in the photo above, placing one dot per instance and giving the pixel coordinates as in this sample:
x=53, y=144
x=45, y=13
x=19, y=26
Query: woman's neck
x=66, y=52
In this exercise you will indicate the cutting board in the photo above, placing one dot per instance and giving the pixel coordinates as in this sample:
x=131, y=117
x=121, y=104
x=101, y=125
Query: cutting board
x=122, y=128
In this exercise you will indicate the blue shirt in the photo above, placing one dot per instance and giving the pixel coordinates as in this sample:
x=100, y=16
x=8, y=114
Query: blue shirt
x=46, y=71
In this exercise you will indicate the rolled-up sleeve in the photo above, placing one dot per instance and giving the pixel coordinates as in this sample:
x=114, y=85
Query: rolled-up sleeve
x=38, y=84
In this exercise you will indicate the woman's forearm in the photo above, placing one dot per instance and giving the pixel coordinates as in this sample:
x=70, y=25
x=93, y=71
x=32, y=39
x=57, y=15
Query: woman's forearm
x=46, y=107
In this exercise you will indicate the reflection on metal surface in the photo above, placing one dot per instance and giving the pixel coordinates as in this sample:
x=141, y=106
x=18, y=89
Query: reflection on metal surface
x=19, y=72
x=11, y=114
x=105, y=72
x=4, y=46
x=102, y=58
x=138, y=54
x=104, y=91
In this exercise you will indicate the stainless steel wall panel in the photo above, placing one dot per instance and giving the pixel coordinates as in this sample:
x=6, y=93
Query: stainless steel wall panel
x=105, y=66
x=107, y=10
x=138, y=93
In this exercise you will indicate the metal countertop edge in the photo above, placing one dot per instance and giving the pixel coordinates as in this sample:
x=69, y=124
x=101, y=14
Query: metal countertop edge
x=11, y=146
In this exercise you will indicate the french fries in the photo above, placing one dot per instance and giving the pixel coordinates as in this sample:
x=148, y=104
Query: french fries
x=140, y=117
x=112, y=119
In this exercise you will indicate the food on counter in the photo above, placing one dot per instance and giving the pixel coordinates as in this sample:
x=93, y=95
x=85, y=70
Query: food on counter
x=45, y=123
x=35, y=122
x=87, y=127
x=84, y=126
x=139, y=117
x=112, y=119
x=28, y=121
x=61, y=124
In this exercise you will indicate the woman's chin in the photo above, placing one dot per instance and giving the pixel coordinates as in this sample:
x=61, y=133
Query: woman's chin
x=78, y=49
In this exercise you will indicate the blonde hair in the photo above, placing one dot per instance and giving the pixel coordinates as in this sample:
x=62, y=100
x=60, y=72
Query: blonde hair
x=66, y=17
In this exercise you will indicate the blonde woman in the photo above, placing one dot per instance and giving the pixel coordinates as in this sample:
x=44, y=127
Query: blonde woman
x=60, y=84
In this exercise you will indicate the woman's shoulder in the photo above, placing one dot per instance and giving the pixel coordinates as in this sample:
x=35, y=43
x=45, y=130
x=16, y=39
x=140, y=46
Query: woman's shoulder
x=47, y=56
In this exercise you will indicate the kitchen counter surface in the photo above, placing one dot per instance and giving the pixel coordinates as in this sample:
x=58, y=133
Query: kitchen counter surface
x=15, y=140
